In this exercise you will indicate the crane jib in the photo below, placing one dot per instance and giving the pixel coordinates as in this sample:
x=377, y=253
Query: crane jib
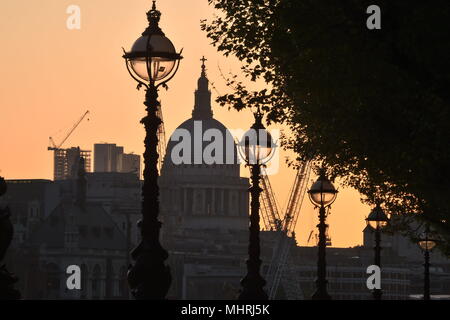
x=285, y=228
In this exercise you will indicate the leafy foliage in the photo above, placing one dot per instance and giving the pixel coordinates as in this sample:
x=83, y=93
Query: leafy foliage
x=372, y=105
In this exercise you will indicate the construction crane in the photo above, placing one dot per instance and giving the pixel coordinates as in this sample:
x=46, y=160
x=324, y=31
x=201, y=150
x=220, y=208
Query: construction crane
x=314, y=234
x=269, y=206
x=285, y=231
x=309, y=237
x=52, y=142
x=64, y=158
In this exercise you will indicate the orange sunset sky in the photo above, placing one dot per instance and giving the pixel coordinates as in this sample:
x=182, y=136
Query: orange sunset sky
x=50, y=75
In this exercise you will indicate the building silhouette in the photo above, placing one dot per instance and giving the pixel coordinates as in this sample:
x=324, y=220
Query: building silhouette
x=108, y=157
x=91, y=224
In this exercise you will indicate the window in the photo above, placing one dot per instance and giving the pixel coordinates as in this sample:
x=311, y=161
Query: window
x=84, y=279
x=109, y=232
x=234, y=204
x=54, y=220
x=198, y=204
x=82, y=230
x=123, y=283
x=53, y=281
x=96, y=278
x=96, y=232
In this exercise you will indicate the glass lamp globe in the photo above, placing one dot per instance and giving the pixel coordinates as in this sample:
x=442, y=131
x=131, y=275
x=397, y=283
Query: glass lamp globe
x=257, y=145
x=160, y=54
x=152, y=56
x=427, y=244
x=377, y=219
x=322, y=192
x=427, y=241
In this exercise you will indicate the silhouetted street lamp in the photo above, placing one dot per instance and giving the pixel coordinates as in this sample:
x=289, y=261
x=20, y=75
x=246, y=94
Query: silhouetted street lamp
x=152, y=62
x=377, y=219
x=256, y=148
x=322, y=194
x=426, y=242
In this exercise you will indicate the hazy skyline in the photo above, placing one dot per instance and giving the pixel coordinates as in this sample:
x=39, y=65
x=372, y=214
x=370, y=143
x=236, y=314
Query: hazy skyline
x=51, y=75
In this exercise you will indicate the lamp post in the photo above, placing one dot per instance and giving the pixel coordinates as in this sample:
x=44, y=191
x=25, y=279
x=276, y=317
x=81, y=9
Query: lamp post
x=426, y=242
x=322, y=194
x=256, y=148
x=152, y=62
x=377, y=219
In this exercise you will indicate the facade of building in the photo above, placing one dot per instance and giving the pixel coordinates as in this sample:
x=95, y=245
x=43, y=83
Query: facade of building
x=347, y=273
x=54, y=229
x=84, y=236
x=120, y=196
x=400, y=251
x=130, y=163
x=31, y=201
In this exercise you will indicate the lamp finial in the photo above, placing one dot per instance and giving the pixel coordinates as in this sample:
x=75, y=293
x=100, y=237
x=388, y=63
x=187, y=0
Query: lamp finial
x=153, y=17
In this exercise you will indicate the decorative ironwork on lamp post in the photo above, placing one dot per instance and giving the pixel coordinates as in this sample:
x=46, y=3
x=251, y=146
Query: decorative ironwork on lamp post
x=322, y=194
x=377, y=220
x=256, y=148
x=152, y=62
x=427, y=241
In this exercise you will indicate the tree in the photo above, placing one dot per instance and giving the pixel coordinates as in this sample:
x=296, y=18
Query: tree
x=371, y=105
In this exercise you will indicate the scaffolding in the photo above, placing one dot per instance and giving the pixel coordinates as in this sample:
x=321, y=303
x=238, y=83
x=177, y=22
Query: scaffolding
x=66, y=162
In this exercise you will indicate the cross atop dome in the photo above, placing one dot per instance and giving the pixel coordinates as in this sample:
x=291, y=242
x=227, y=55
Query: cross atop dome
x=203, y=59
x=202, y=107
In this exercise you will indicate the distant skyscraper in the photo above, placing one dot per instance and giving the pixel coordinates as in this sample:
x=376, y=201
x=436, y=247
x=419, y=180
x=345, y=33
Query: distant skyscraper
x=108, y=157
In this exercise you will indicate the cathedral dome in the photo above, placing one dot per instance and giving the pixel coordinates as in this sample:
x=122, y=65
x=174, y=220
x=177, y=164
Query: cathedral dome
x=201, y=141
x=200, y=184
